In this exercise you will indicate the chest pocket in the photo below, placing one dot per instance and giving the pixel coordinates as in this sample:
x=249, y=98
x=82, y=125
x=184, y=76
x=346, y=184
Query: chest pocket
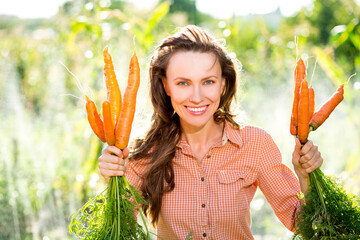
x=231, y=190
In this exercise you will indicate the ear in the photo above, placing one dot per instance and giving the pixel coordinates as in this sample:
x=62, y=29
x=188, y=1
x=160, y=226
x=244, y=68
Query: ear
x=164, y=82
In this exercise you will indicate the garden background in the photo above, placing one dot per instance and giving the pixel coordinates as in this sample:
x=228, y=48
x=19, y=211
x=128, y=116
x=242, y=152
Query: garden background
x=48, y=153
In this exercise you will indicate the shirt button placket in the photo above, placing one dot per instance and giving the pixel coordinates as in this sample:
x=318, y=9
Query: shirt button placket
x=202, y=196
x=203, y=205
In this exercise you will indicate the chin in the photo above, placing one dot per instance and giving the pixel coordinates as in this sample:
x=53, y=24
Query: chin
x=196, y=123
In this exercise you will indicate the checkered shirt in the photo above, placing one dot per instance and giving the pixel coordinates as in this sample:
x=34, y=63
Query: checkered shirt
x=212, y=197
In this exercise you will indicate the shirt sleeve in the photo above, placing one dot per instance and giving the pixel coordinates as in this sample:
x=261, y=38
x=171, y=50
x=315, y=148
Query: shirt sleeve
x=278, y=183
x=133, y=174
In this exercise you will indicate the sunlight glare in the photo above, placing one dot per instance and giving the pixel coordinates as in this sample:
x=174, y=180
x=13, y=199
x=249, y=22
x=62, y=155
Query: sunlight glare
x=31, y=9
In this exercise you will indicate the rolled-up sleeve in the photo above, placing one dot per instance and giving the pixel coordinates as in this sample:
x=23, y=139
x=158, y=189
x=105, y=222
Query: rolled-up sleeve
x=278, y=183
x=134, y=175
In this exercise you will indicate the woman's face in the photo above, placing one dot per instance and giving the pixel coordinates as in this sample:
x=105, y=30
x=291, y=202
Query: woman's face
x=194, y=83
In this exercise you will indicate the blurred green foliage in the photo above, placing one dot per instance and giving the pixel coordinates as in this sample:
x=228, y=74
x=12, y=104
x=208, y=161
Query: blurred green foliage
x=48, y=157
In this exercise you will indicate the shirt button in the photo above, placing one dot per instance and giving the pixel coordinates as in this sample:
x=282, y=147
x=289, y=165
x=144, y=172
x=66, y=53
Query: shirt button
x=202, y=179
x=208, y=156
x=204, y=234
x=203, y=205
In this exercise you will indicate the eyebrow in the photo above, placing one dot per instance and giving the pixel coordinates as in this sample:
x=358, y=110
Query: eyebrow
x=184, y=78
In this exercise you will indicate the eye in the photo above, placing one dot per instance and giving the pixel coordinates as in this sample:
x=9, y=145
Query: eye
x=182, y=83
x=208, y=82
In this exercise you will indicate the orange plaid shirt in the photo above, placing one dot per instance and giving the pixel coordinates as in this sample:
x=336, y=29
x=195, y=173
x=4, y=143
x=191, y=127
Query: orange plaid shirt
x=212, y=197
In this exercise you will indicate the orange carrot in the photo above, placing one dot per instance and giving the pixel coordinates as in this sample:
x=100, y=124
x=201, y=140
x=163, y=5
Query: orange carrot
x=108, y=126
x=293, y=127
x=326, y=109
x=303, y=113
x=311, y=102
x=112, y=86
x=312, y=95
x=123, y=125
x=299, y=75
x=94, y=119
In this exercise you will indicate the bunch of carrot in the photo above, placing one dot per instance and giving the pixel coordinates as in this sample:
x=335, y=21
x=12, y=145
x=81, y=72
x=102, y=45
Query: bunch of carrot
x=328, y=212
x=111, y=214
x=303, y=118
x=117, y=116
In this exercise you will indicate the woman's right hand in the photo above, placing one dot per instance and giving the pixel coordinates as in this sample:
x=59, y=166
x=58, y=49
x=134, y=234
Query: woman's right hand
x=113, y=162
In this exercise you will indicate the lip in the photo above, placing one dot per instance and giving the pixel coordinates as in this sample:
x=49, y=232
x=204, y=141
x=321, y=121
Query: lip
x=198, y=110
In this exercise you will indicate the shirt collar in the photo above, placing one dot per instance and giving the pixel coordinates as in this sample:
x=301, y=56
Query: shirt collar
x=231, y=134
x=184, y=145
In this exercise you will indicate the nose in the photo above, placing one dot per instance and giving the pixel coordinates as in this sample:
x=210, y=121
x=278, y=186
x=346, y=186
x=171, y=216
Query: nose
x=196, y=95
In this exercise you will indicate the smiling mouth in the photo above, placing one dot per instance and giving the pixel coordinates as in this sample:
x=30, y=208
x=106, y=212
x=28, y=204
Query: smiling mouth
x=197, y=110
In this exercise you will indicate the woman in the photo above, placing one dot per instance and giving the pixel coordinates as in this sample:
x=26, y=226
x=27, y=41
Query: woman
x=196, y=166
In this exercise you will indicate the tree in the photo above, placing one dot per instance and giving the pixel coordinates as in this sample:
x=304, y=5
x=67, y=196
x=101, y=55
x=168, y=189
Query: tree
x=185, y=6
x=327, y=14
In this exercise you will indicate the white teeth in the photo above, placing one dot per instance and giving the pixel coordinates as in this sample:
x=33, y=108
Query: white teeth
x=196, y=109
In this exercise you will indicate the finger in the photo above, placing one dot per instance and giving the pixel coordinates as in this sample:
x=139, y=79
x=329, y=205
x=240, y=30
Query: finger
x=313, y=152
x=315, y=162
x=297, y=148
x=112, y=159
x=112, y=165
x=112, y=150
x=105, y=167
x=296, y=152
x=116, y=151
x=306, y=157
x=108, y=170
x=297, y=145
x=307, y=147
x=313, y=167
x=125, y=152
x=110, y=173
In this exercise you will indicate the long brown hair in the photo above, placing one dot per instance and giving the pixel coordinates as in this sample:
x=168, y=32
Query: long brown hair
x=160, y=141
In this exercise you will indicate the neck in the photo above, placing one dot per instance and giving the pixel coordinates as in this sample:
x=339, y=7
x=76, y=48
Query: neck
x=202, y=139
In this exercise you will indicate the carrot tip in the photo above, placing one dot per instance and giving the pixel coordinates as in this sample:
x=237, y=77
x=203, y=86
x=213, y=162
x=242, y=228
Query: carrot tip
x=105, y=102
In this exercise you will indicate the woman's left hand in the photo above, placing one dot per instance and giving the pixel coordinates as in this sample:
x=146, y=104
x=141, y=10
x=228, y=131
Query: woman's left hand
x=306, y=159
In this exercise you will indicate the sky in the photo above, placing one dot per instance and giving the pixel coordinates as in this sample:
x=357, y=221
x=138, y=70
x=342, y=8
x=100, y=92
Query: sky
x=48, y=8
